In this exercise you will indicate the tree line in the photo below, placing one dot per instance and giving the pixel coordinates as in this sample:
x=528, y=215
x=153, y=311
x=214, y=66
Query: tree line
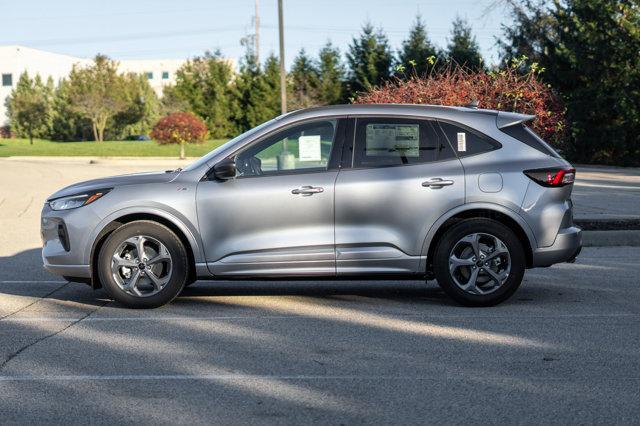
x=96, y=103
x=586, y=52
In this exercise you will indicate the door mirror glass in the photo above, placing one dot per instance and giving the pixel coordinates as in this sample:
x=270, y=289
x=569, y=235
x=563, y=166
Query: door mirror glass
x=225, y=170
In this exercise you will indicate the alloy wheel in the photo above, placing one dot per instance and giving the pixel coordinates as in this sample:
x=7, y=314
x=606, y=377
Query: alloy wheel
x=479, y=263
x=141, y=266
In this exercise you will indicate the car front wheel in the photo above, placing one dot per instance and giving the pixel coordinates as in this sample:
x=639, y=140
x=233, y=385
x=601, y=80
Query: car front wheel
x=143, y=264
x=479, y=262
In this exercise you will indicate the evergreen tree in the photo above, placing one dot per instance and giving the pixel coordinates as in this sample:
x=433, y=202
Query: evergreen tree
x=29, y=107
x=588, y=50
x=142, y=112
x=369, y=60
x=304, y=82
x=418, y=55
x=67, y=124
x=463, y=48
x=330, y=75
x=205, y=84
x=256, y=92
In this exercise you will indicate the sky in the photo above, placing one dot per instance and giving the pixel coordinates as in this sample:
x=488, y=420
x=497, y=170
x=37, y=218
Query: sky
x=162, y=29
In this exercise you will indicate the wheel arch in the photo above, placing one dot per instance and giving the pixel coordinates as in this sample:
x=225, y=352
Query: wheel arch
x=112, y=223
x=496, y=212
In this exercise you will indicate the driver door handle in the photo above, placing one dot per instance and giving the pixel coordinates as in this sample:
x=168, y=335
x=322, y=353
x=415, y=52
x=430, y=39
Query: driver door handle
x=306, y=191
x=437, y=183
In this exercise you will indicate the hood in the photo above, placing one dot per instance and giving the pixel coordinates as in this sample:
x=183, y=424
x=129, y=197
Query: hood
x=115, y=181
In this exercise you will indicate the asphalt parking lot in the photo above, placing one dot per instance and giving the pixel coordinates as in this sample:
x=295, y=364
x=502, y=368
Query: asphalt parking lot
x=564, y=349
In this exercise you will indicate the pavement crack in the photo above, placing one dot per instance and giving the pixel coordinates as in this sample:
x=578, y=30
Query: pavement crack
x=26, y=208
x=43, y=338
x=39, y=299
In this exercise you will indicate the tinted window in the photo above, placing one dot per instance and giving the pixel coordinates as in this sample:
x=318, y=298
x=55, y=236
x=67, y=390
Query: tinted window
x=305, y=147
x=467, y=142
x=527, y=136
x=7, y=80
x=391, y=142
x=165, y=75
x=149, y=75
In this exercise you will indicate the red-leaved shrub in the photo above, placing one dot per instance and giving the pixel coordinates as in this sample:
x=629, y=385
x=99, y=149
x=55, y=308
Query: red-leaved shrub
x=508, y=89
x=179, y=128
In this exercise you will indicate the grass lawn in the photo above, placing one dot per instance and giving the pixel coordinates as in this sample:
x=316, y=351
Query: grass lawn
x=21, y=147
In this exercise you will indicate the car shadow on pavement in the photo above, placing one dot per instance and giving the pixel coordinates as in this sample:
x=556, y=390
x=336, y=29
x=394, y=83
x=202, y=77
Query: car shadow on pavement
x=22, y=274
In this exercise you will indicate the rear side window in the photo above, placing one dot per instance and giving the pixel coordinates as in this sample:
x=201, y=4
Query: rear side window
x=467, y=142
x=384, y=142
x=527, y=136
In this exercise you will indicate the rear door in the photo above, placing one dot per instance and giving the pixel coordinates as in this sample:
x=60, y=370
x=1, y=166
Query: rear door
x=404, y=176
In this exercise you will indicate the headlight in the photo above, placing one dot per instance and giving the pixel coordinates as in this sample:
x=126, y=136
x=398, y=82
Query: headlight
x=75, y=201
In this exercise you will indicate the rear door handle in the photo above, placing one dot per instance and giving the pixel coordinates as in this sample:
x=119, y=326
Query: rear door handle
x=306, y=191
x=437, y=183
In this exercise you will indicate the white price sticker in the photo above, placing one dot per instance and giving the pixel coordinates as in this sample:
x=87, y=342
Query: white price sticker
x=309, y=148
x=462, y=141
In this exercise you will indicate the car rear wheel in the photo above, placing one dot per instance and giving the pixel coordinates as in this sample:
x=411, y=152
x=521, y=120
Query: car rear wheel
x=479, y=262
x=143, y=264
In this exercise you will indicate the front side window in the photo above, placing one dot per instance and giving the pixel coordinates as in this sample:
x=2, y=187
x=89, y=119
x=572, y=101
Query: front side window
x=7, y=80
x=391, y=142
x=467, y=142
x=302, y=148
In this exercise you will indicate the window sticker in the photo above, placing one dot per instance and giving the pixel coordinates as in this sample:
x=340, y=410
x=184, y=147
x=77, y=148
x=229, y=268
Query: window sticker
x=309, y=148
x=393, y=139
x=462, y=141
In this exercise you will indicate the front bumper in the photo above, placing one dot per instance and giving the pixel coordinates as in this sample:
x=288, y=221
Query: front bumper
x=65, y=241
x=565, y=248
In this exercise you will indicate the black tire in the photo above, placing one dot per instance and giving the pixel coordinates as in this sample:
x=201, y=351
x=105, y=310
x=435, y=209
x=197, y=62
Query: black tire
x=179, y=263
x=448, y=242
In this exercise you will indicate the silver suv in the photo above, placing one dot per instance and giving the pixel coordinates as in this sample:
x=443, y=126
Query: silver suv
x=467, y=196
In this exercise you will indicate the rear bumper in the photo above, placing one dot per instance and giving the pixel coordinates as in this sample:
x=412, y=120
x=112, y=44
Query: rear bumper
x=565, y=248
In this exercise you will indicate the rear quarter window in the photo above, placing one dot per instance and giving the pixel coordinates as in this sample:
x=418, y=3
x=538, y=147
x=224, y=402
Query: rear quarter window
x=466, y=141
x=528, y=137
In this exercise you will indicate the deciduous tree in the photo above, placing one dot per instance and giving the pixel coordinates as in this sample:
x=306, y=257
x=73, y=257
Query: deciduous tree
x=97, y=93
x=180, y=128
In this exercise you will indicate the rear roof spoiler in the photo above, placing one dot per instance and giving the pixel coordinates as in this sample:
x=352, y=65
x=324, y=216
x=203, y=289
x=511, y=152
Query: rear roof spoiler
x=507, y=119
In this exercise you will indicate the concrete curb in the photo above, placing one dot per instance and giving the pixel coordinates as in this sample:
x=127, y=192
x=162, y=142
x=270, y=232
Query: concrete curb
x=629, y=238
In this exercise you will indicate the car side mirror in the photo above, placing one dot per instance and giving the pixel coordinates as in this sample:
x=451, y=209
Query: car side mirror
x=225, y=170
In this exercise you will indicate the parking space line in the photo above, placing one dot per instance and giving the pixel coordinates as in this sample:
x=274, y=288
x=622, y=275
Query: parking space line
x=249, y=377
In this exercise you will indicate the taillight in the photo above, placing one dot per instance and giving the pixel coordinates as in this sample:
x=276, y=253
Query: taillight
x=552, y=177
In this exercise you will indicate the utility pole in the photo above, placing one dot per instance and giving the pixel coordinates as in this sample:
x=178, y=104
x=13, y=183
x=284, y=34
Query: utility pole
x=257, y=37
x=283, y=79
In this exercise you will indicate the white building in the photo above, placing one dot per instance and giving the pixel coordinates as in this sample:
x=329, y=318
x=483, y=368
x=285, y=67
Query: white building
x=14, y=60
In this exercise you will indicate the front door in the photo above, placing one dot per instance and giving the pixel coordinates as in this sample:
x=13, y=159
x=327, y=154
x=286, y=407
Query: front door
x=405, y=175
x=276, y=217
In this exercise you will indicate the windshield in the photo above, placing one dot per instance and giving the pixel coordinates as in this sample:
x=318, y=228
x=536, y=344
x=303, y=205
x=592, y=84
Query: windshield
x=205, y=159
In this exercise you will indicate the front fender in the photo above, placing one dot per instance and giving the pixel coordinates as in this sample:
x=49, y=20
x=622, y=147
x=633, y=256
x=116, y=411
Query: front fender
x=189, y=230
